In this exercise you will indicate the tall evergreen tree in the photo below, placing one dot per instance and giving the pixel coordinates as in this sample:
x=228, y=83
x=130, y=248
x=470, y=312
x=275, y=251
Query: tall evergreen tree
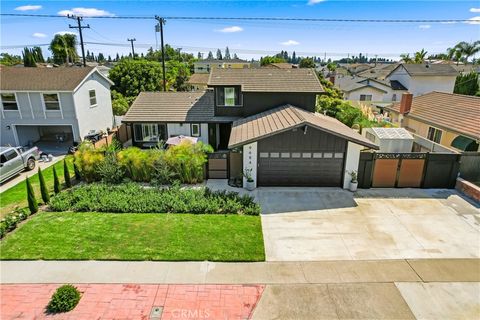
x=43, y=187
x=66, y=174
x=32, y=202
x=227, y=54
x=199, y=55
x=294, y=57
x=210, y=55
x=78, y=177
x=219, y=54
x=56, y=182
x=235, y=56
x=28, y=58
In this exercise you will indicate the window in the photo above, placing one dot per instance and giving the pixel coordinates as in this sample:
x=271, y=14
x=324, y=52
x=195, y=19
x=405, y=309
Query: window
x=274, y=154
x=365, y=97
x=263, y=154
x=434, y=134
x=195, y=129
x=394, y=97
x=338, y=155
x=328, y=155
x=306, y=155
x=9, y=102
x=93, y=97
x=317, y=155
x=149, y=132
x=285, y=154
x=9, y=155
x=229, y=96
x=296, y=154
x=51, y=101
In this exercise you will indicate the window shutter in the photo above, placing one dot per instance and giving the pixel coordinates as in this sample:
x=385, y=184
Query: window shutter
x=237, y=96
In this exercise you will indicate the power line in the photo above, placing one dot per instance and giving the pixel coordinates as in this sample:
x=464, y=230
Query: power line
x=250, y=18
x=80, y=27
x=133, y=48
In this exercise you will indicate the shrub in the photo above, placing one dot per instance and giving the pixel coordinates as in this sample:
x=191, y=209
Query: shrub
x=86, y=158
x=78, y=177
x=64, y=299
x=131, y=197
x=109, y=170
x=162, y=173
x=138, y=163
x=56, y=182
x=43, y=187
x=10, y=221
x=32, y=202
x=66, y=174
x=188, y=160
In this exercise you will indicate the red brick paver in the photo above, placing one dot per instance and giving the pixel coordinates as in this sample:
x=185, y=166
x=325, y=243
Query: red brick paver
x=132, y=301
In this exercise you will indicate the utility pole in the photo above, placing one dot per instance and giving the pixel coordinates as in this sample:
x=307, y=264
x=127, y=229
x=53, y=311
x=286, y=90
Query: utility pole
x=133, y=48
x=79, y=27
x=161, y=22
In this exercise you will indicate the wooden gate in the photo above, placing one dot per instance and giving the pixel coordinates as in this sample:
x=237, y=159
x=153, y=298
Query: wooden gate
x=217, y=167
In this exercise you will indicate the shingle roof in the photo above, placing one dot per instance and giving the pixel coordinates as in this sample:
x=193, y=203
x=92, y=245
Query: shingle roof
x=455, y=112
x=426, y=69
x=198, y=78
x=268, y=80
x=378, y=72
x=280, y=65
x=287, y=117
x=174, y=107
x=42, y=79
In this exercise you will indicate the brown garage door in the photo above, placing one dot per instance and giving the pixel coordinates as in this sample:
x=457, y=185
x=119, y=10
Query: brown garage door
x=299, y=158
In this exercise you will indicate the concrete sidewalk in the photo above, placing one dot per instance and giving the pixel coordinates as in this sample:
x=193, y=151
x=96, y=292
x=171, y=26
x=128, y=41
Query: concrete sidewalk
x=375, y=271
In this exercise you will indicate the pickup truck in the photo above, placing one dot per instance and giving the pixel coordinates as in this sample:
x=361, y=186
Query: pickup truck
x=16, y=159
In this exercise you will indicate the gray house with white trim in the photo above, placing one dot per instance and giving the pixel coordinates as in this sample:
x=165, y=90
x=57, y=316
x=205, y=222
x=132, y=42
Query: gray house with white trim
x=53, y=104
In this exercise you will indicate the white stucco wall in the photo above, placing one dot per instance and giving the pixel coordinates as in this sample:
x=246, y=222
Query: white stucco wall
x=177, y=129
x=351, y=162
x=421, y=85
x=377, y=95
x=250, y=160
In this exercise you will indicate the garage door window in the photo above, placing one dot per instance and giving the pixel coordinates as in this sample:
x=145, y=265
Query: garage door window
x=274, y=154
x=9, y=102
x=51, y=101
x=306, y=155
x=328, y=155
x=296, y=155
x=285, y=154
x=263, y=154
x=317, y=155
x=338, y=155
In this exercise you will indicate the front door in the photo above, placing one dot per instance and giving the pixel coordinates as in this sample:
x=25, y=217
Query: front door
x=225, y=130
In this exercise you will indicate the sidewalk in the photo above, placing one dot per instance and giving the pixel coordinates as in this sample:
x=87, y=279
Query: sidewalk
x=428, y=270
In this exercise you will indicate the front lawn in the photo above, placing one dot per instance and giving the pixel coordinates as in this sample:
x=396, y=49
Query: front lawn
x=139, y=236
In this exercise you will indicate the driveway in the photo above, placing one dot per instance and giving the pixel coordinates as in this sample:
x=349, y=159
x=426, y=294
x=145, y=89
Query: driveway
x=313, y=224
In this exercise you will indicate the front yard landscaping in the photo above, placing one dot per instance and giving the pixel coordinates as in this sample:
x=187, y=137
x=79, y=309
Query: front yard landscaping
x=104, y=236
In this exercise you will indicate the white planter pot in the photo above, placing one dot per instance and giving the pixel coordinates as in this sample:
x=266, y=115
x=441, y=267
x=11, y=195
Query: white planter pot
x=353, y=186
x=250, y=186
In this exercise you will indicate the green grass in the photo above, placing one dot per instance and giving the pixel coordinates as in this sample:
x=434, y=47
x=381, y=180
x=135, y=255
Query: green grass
x=17, y=195
x=108, y=236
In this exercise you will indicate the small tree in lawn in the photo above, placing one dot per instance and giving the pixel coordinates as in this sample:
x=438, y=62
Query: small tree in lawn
x=43, y=187
x=66, y=174
x=56, y=183
x=78, y=177
x=32, y=202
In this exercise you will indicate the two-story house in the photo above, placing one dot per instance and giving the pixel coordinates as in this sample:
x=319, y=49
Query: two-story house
x=266, y=115
x=53, y=104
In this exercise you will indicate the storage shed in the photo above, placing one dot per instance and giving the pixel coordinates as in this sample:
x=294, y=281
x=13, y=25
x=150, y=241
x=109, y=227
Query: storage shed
x=390, y=139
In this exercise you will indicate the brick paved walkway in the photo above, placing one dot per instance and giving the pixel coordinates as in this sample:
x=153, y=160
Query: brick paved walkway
x=132, y=301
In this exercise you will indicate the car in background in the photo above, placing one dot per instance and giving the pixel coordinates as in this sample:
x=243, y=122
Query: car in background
x=16, y=159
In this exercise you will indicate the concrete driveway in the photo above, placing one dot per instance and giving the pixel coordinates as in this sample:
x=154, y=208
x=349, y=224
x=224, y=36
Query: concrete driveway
x=313, y=224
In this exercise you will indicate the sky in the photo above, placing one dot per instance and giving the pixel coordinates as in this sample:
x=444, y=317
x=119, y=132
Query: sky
x=249, y=39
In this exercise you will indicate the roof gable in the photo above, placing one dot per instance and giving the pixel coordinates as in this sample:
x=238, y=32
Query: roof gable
x=425, y=69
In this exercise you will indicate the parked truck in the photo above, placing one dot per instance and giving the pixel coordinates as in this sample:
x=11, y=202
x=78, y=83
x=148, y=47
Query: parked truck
x=16, y=159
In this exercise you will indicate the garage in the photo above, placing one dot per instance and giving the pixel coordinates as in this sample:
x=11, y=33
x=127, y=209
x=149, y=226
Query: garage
x=301, y=157
x=289, y=146
x=50, y=139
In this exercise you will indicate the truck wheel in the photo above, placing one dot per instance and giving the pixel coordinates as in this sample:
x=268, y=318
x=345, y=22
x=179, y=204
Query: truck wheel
x=30, y=164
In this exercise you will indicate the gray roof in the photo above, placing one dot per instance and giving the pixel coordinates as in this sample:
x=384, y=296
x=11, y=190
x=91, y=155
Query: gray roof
x=287, y=117
x=392, y=133
x=426, y=69
x=174, y=107
x=268, y=80
x=42, y=79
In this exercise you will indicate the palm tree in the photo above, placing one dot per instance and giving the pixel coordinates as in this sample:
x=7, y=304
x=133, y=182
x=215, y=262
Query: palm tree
x=468, y=49
x=64, y=48
x=420, y=56
x=406, y=58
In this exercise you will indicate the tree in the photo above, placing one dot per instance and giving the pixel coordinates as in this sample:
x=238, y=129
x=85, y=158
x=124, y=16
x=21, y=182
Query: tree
x=7, y=59
x=66, y=174
x=199, y=55
x=219, y=54
x=331, y=67
x=235, y=56
x=294, y=58
x=120, y=104
x=134, y=76
x=210, y=55
x=406, y=58
x=32, y=202
x=56, y=182
x=78, y=176
x=64, y=48
x=420, y=56
x=269, y=60
x=28, y=58
x=177, y=75
x=467, y=84
x=43, y=187
x=307, y=63
x=227, y=54
x=467, y=49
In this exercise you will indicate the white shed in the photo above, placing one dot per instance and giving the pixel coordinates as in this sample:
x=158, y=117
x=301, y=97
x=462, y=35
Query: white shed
x=390, y=139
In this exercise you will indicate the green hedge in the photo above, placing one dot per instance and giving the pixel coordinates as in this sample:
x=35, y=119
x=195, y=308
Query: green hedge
x=10, y=221
x=133, y=198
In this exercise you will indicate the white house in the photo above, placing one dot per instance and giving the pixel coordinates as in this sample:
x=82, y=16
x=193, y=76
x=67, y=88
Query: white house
x=53, y=104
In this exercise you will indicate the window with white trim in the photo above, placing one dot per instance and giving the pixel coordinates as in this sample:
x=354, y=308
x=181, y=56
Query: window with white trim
x=149, y=132
x=93, y=97
x=434, y=134
x=52, y=102
x=365, y=97
x=195, y=129
x=229, y=96
x=9, y=102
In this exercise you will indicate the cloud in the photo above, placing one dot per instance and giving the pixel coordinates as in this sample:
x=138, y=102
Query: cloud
x=475, y=10
x=86, y=12
x=39, y=35
x=230, y=29
x=424, y=26
x=65, y=32
x=313, y=2
x=290, y=43
x=474, y=20
x=28, y=8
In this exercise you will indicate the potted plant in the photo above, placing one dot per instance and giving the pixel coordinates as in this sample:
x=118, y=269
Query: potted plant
x=353, y=180
x=250, y=184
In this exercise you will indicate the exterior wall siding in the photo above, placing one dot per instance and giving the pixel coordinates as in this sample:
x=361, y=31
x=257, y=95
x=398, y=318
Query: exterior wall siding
x=250, y=161
x=351, y=162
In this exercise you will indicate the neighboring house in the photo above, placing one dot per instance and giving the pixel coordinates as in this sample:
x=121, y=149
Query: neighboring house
x=205, y=66
x=53, y=104
x=281, y=65
x=453, y=120
x=379, y=71
x=370, y=90
x=266, y=115
x=198, y=81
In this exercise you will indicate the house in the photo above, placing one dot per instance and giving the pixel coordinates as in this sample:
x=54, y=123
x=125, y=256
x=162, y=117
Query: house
x=198, y=81
x=265, y=115
x=204, y=66
x=368, y=90
x=452, y=120
x=53, y=104
x=281, y=65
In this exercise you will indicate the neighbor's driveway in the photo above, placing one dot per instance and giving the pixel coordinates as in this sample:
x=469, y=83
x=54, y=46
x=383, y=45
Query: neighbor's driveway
x=310, y=224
